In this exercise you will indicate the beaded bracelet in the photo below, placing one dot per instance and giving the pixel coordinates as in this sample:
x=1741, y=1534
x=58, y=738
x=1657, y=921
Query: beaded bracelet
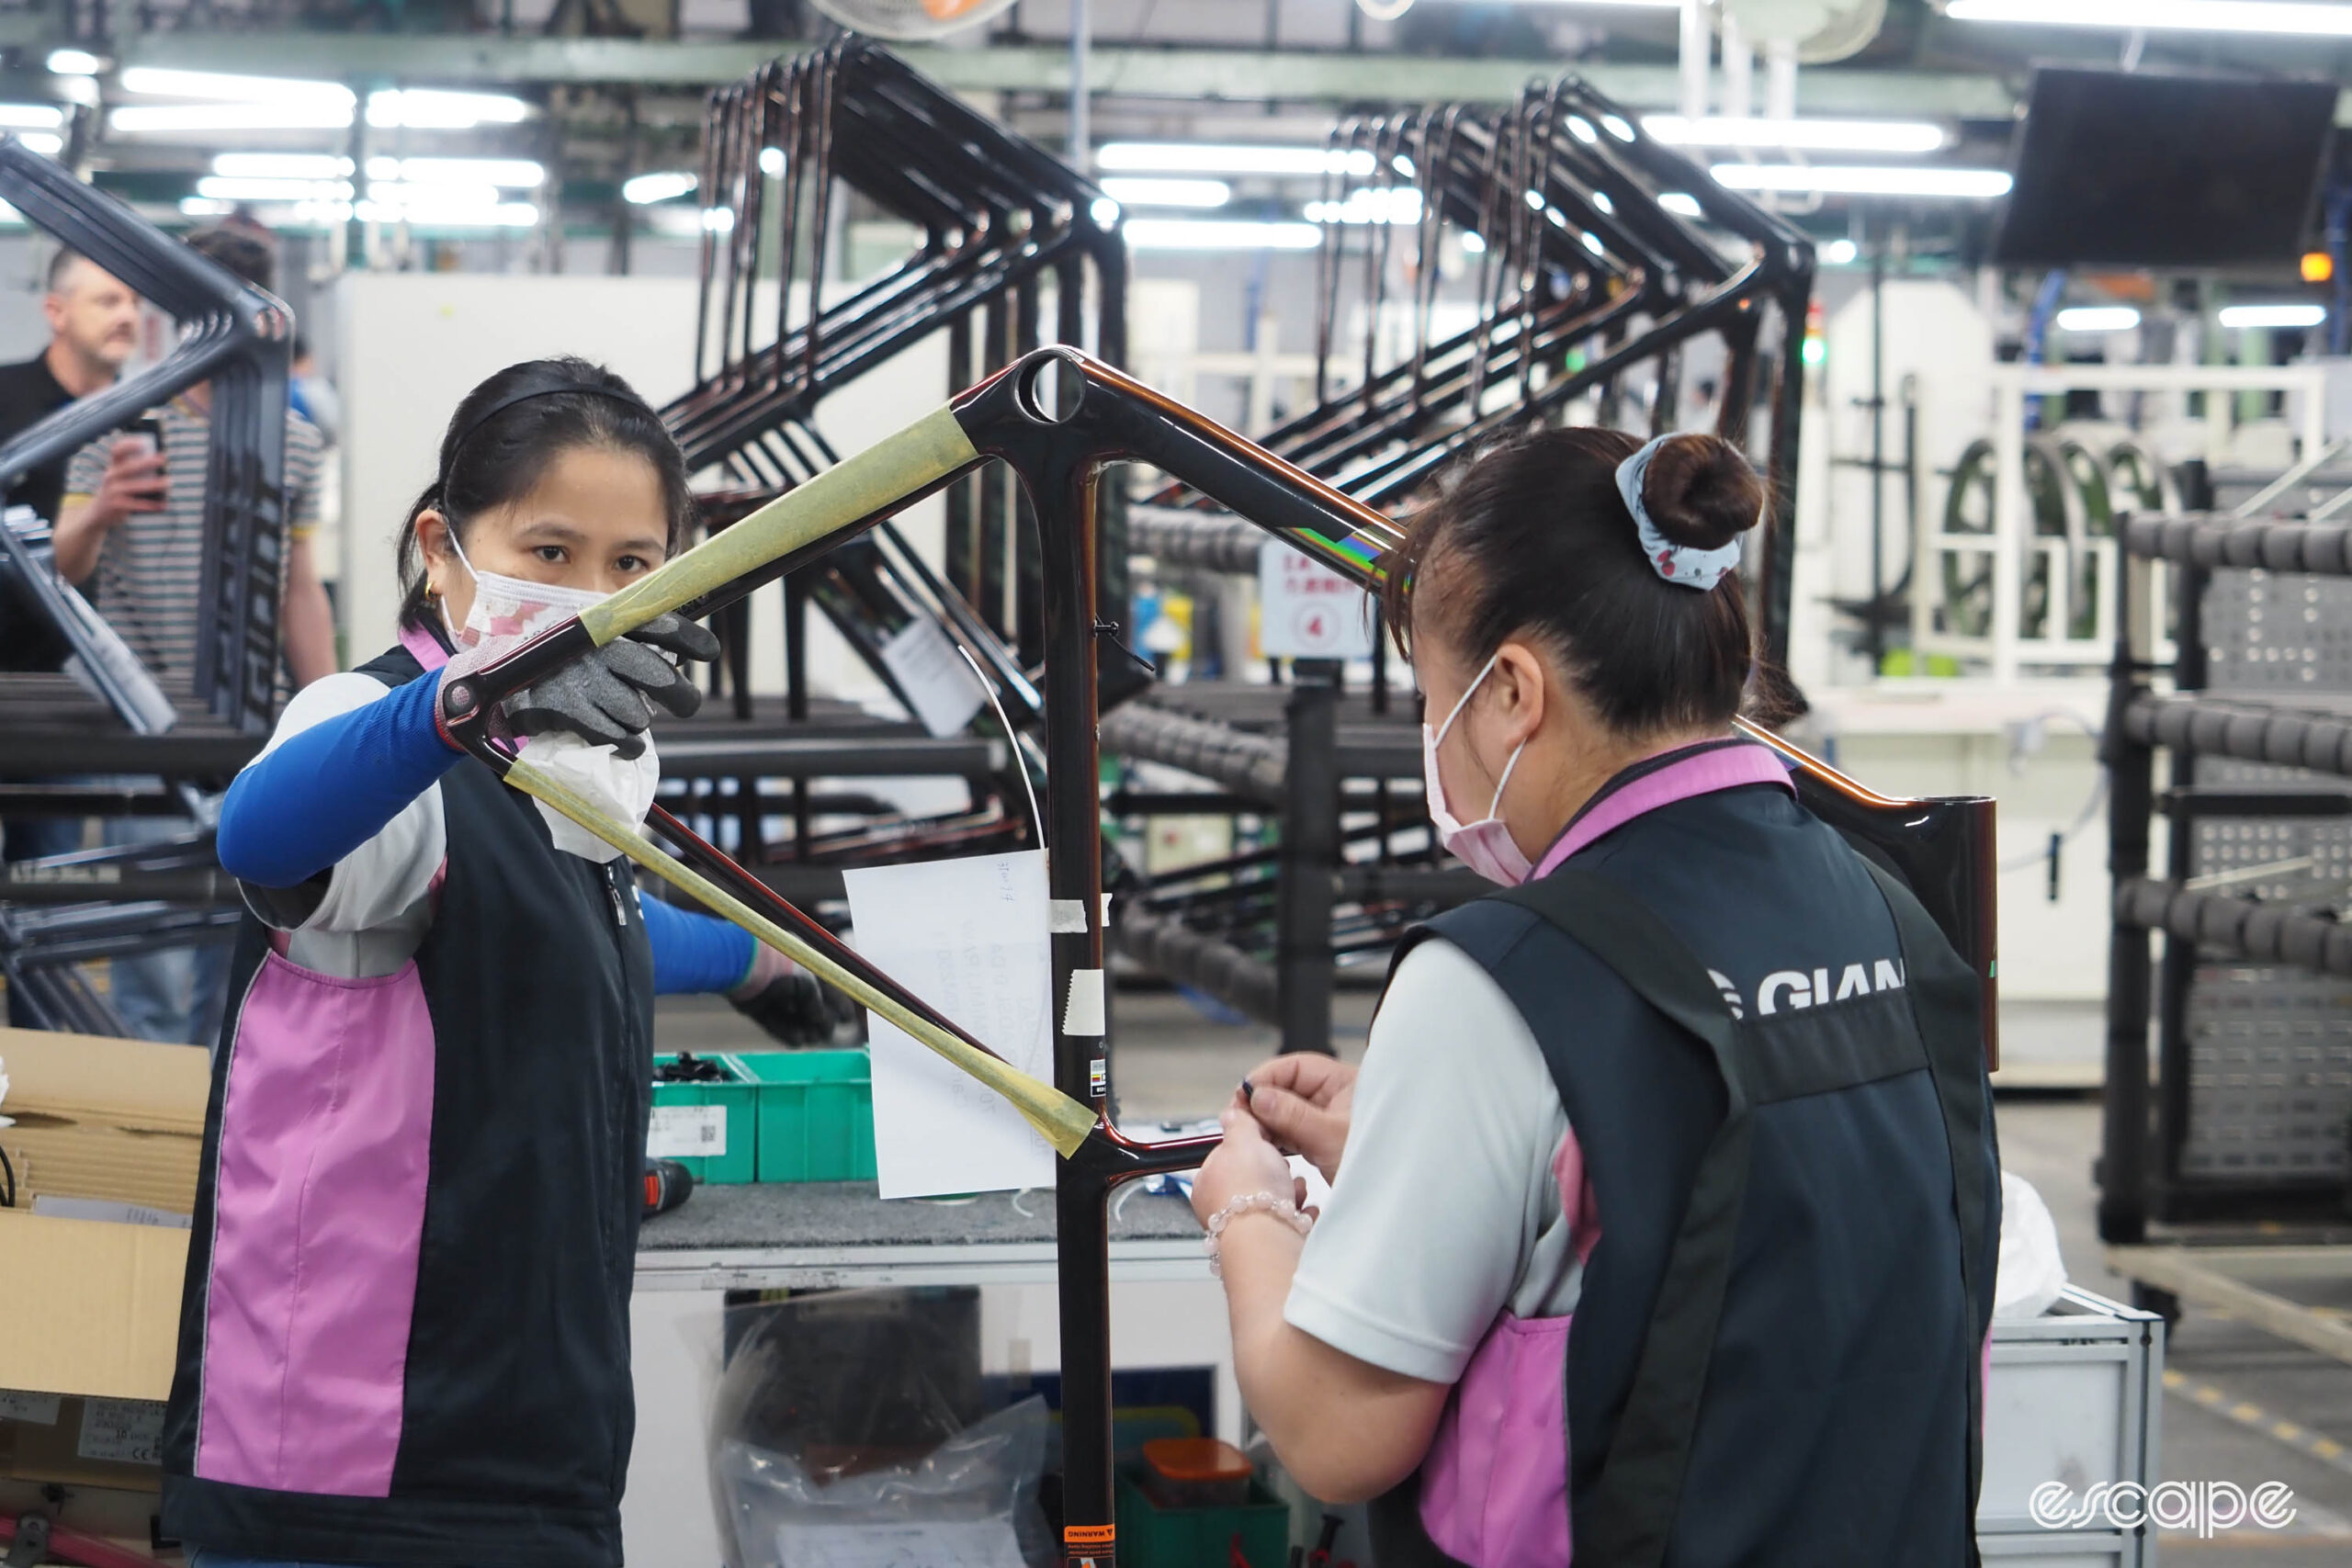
x=1280, y=1207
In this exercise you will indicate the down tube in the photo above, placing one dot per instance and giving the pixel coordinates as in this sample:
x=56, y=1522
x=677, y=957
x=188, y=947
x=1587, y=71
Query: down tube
x=1061, y=487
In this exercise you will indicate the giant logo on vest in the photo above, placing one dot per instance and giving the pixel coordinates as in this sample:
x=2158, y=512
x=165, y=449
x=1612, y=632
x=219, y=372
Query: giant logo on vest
x=1786, y=991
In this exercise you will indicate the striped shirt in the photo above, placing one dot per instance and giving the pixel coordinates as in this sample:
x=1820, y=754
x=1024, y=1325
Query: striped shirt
x=150, y=577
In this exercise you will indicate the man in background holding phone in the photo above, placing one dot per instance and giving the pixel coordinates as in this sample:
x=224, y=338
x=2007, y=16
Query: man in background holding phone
x=93, y=328
x=131, y=531
x=132, y=526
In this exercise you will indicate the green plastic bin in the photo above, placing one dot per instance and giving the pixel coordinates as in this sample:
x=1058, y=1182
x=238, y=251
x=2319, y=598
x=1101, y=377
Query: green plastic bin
x=816, y=1113
x=732, y=1141
x=1153, y=1537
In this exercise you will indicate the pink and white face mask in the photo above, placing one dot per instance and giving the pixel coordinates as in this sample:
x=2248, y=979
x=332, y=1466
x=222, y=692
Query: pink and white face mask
x=1485, y=846
x=508, y=611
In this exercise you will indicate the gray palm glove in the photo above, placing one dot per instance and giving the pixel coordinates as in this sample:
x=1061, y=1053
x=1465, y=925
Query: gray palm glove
x=601, y=697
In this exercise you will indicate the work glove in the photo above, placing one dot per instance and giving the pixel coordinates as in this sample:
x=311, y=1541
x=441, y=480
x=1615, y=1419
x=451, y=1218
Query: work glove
x=602, y=697
x=796, y=1009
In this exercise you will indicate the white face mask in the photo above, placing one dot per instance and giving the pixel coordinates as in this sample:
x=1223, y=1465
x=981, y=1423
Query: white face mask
x=508, y=611
x=1485, y=846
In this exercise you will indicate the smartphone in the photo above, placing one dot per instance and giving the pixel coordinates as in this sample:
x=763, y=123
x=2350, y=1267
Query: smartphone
x=149, y=430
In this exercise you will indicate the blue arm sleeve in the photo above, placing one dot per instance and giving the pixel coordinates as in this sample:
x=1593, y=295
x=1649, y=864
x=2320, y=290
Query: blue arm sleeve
x=693, y=952
x=324, y=792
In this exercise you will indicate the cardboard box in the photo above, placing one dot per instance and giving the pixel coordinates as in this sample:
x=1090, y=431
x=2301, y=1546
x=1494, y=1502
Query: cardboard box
x=92, y=1306
x=121, y=1120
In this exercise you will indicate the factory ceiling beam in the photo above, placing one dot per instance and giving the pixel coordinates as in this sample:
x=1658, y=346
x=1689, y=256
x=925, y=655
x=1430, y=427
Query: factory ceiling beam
x=1188, y=73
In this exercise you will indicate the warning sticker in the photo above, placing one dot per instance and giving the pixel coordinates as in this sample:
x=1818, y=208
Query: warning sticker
x=127, y=1431
x=686, y=1132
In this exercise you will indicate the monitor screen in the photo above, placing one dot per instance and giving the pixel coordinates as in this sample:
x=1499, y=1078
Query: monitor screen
x=2145, y=170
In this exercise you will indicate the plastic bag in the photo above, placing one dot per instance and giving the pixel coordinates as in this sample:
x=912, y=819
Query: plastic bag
x=2031, y=1274
x=972, y=1498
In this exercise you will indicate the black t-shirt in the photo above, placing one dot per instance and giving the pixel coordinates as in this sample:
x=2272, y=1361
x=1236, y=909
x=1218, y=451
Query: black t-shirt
x=28, y=393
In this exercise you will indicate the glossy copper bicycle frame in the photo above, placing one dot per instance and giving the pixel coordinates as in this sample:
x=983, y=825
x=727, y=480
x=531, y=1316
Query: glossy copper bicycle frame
x=1058, y=418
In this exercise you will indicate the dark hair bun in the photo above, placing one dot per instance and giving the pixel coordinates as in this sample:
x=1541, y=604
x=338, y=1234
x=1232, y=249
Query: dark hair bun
x=1700, y=490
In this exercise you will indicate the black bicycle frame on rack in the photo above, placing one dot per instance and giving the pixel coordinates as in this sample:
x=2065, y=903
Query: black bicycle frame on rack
x=237, y=338
x=1056, y=419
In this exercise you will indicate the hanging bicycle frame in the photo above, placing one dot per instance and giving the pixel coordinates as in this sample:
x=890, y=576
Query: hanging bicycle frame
x=1057, y=418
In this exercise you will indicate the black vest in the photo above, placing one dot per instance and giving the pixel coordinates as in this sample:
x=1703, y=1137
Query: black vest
x=517, y=1410
x=1773, y=1063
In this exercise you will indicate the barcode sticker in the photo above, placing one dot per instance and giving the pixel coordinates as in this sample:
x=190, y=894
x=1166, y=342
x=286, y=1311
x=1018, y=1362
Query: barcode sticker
x=36, y=1409
x=127, y=1431
x=686, y=1132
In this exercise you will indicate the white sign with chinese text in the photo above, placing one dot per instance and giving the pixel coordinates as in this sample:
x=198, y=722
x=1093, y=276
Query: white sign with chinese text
x=1306, y=610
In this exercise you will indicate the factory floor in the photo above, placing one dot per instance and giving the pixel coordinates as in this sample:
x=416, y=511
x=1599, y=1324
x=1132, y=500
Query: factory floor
x=2231, y=1389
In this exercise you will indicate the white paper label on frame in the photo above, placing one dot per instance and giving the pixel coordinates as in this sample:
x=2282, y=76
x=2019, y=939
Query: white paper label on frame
x=937, y=682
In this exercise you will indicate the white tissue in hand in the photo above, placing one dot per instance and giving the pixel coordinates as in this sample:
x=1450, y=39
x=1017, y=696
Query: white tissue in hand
x=622, y=789
x=5, y=1121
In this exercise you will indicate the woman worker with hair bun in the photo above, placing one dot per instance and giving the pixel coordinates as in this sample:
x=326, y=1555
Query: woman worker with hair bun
x=1665, y=1203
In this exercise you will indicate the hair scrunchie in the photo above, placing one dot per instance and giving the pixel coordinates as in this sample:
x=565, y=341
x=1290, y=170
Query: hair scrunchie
x=1685, y=565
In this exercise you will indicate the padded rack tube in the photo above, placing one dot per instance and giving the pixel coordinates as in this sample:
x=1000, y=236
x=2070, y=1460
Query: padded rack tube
x=2251, y=732
x=1205, y=542
x=2213, y=539
x=1166, y=946
x=1247, y=764
x=2265, y=933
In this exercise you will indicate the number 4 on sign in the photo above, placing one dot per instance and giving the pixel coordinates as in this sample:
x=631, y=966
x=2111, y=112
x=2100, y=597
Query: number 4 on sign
x=1306, y=610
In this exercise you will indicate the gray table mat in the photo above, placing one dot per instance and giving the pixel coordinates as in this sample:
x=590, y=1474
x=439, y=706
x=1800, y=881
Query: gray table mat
x=767, y=1216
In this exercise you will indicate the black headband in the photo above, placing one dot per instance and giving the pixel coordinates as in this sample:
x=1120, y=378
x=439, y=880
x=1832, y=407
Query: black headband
x=525, y=395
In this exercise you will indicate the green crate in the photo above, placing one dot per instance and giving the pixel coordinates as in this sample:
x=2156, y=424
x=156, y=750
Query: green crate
x=816, y=1113
x=1153, y=1537
x=737, y=1156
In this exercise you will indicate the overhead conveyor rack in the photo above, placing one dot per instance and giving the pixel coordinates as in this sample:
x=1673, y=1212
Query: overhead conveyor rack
x=1011, y=248
x=2242, y=1114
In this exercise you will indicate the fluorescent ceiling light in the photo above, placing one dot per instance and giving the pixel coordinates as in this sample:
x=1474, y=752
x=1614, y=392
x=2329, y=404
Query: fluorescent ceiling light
x=718, y=219
x=30, y=117
x=1801, y=135
x=1105, y=211
x=47, y=143
x=518, y=173
x=242, y=187
x=1212, y=158
x=1473, y=242
x=1839, y=253
x=1681, y=203
x=2097, y=319
x=1977, y=184
x=206, y=207
x=2308, y=17
x=452, y=197
x=1370, y=204
x=1219, y=234
x=772, y=161
x=213, y=86
x=2273, y=315
x=134, y=118
x=416, y=109
x=436, y=214
x=283, y=166
x=74, y=63
x=644, y=191
x=1167, y=193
